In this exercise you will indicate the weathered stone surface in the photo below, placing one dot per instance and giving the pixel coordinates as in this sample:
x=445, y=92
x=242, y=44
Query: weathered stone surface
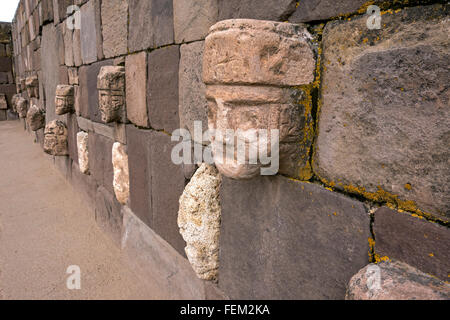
x=32, y=85
x=256, y=9
x=100, y=160
x=22, y=107
x=388, y=143
x=14, y=101
x=136, y=88
x=108, y=214
x=162, y=94
x=45, y=11
x=395, y=280
x=83, y=151
x=150, y=24
x=193, y=18
x=5, y=64
x=246, y=107
x=264, y=52
x=282, y=239
x=3, y=115
x=421, y=244
x=114, y=27
x=3, y=103
x=73, y=76
x=313, y=10
x=90, y=32
x=120, y=133
x=199, y=221
x=111, y=93
x=55, y=138
x=84, y=184
x=68, y=46
x=35, y=118
x=192, y=101
x=64, y=99
x=76, y=43
x=121, y=174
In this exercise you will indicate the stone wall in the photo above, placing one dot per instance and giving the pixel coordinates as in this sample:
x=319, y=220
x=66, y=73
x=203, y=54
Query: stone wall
x=365, y=172
x=7, y=86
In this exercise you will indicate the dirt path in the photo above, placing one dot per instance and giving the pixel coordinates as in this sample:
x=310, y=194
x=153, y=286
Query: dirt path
x=45, y=227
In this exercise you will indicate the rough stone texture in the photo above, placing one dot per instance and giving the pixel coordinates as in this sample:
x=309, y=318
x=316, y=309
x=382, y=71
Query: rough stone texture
x=192, y=104
x=136, y=88
x=395, y=280
x=256, y=9
x=90, y=32
x=22, y=107
x=114, y=27
x=121, y=173
x=76, y=42
x=64, y=99
x=3, y=103
x=263, y=52
x=68, y=46
x=120, y=133
x=111, y=93
x=3, y=115
x=313, y=10
x=32, y=84
x=150, y=24
x=89, y=106
x=421, y=244
x=73, y=76
x=108, y=214
x=391, y=137
x=83, y=151
x=162, y=94
x=282, y=239
x=199, y=221
x=100, y=160
x=55, y=138
x=35, y=118
x=193, y=18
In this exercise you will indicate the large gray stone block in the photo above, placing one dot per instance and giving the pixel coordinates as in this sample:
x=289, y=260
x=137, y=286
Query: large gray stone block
x=90, y=33
x=150, y=24
x=384, y=117
x=114, y=27
x=136, y=88
x=100, y=160
x=282, y=239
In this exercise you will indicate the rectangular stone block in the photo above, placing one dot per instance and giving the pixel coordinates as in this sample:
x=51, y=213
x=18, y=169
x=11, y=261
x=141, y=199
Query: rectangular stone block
x=256, y=9
x=150, y=24
x=136, y=88
x=162, y=91
x=282, y=239
x=114, y=27
x=192, y=100
x=90, y=33
x=72, y=130
x=417, y=242
x=108, y=214
x=45, y=11
x=387, y=144
x=76, y=42
x=193, y=18
x=68, y=46
x=100, y=160
x=5, y=64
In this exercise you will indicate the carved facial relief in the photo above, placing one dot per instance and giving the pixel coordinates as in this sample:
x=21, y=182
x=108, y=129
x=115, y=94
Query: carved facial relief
x=22, y=107
x=111, y=91
x=32, y=86
x=55, y=138
x=14, y=101
x=64, y=99
x=35, y=118
x=257, y=75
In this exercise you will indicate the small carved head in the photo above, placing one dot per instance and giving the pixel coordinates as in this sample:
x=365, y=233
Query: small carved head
x=111, y=93
x=55, y=138
x=22, y=107
x=35, y=118
x=64, y=99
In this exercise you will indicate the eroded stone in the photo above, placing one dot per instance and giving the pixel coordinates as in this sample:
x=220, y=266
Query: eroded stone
x=3, y=103
x=83, y=151
x=395, y=280
x=22, y=107
x=64, y=99
x=121, y=174
x=35, y=118
x=55, y=138
x=199, y=221
x=32, y=86
x=111, y=93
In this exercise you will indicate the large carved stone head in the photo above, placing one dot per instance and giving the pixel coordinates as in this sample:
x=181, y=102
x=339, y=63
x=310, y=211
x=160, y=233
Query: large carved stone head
x=258, y=76
x=14, y=101
x=35, y=118
x=22, y=107
x=64, y=99
x=55, y=138
x=32, y=86
x=111, y=93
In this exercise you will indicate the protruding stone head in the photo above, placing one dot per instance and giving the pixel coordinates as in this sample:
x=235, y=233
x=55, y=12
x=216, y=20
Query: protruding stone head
x=64, y=99
x=3, y=102
x=22, y=107
x=22, y=83
x=111, y=93
x=35, y=118
x=14, y=101
x=32, y=86
x=258, y=76
x=55, y=138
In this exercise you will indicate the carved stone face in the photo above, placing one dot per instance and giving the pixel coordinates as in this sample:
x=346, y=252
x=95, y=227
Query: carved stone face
x=111, y=93
x=257, y=73
x=64, y=99
x=32, y=86
x=22, y=107
x=14, y=101
x=3, y=103
x=35, y=118
x=55, y=138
